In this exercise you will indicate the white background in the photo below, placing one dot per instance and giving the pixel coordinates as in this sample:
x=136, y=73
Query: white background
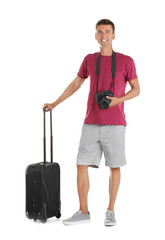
x=42, y=45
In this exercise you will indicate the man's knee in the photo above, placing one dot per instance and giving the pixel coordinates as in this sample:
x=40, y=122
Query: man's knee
x=82, y=168
x=115, y=170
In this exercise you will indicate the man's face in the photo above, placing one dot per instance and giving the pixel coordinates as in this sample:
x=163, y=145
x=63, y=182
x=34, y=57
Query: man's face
x=104, y=35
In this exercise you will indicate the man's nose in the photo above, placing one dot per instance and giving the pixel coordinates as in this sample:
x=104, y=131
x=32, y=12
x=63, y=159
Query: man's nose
x=104, y=34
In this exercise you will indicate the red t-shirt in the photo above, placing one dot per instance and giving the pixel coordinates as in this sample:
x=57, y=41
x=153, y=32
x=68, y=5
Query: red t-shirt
x=125, y=71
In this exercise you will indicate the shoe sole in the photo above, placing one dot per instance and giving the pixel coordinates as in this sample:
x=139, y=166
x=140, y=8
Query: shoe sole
x=73, y=223
x=109, y=224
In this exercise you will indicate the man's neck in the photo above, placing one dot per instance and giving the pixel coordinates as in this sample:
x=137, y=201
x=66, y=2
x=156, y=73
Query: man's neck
x=106, y=51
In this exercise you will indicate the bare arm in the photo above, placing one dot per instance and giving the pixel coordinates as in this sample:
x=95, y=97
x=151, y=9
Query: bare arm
x=72, y=88
x=135, y=91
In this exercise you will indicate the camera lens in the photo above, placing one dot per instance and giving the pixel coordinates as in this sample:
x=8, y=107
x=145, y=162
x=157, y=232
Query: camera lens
x=104, y=103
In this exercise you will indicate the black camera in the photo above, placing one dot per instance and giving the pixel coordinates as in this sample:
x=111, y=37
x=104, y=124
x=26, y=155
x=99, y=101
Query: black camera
x=101, y=99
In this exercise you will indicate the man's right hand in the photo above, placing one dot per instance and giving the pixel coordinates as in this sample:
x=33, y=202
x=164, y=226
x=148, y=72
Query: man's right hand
x=49, y=106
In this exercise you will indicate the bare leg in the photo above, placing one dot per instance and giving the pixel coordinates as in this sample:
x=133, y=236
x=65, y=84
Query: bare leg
x=83, y=187
x=114, y=182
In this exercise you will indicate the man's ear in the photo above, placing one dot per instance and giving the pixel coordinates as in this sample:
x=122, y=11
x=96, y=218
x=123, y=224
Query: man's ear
x=113, y=36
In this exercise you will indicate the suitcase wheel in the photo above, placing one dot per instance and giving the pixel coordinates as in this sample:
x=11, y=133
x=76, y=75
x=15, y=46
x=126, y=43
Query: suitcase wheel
x=44, y=220
x=28, y=215
x=58, y=215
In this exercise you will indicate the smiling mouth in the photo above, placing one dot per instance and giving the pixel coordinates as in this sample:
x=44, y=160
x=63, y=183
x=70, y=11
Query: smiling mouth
x=104, y=40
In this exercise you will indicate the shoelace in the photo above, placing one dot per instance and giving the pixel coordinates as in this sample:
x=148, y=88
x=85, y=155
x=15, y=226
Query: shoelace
x=110, y=216
x=77, y=213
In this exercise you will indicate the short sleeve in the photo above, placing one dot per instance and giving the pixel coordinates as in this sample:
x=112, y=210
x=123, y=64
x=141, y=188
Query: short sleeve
x=130, y=69
x=83, y=71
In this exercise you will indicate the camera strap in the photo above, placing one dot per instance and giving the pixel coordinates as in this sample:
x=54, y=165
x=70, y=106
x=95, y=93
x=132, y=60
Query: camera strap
x=113, y=68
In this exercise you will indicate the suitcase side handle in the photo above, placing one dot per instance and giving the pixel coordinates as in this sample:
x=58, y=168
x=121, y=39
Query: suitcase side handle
x=51, y=136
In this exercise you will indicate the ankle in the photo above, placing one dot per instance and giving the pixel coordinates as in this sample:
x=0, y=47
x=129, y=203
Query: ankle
x=110, y=209
x=84, y=211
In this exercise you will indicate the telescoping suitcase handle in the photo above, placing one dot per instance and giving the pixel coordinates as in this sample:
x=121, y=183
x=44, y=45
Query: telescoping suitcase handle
x=51, y=136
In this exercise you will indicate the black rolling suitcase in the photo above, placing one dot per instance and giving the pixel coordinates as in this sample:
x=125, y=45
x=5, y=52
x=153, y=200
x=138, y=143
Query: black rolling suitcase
x=43, y=186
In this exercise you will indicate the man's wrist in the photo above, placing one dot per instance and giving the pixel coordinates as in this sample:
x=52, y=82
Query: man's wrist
x=121, y=100
x=54, y=104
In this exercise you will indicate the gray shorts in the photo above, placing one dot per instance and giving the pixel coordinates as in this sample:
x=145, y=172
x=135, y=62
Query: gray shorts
x=96, y=139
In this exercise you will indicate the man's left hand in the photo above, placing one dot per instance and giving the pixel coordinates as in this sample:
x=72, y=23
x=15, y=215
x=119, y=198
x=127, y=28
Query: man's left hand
x=114, y=101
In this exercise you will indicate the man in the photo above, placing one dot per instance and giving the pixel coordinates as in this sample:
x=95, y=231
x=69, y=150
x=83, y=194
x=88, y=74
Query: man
x=103, y=129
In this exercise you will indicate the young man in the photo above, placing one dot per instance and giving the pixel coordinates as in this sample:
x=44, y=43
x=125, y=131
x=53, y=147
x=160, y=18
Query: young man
x=103, y=129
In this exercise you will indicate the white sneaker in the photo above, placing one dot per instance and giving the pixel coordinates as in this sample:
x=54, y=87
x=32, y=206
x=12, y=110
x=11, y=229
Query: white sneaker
x=78, y=217
x=110, y=219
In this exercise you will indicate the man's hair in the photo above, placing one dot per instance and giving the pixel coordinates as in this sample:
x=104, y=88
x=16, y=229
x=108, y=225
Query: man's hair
x=106, y=22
